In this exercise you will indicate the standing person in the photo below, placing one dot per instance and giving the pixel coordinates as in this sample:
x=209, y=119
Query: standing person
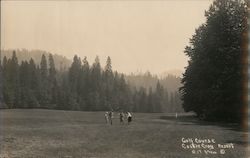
x=129, y=117
x=111, y=117
x=106, y=117
x=121, y=118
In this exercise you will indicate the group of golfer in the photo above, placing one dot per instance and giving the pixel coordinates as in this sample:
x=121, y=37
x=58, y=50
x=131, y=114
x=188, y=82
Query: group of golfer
x=110, y=115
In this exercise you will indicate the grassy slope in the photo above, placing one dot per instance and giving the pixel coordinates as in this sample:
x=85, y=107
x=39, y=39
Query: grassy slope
x=49, y=133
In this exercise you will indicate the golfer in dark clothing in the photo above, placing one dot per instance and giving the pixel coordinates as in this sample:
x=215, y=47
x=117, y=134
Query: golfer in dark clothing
x=129, y=117
x=121, y=117
x=111, y=117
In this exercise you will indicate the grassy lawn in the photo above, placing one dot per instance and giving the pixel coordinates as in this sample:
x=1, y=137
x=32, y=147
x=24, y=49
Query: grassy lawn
x=52, y=133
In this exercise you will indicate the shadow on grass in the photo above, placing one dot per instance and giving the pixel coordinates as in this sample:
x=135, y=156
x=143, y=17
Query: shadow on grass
x=191, y=119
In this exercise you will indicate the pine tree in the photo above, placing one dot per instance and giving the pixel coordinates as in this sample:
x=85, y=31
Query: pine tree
x=95, y=89
x=5, y=82
x=74, y=77
x=84, y=85
x=108, y=86
x=34, y=84
x=11, y=81
x=44, y=95
x=52, y=82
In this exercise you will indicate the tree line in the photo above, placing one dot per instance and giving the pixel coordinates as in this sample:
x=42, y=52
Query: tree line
x=80, y=87
x=147, y=80
x=213, y=83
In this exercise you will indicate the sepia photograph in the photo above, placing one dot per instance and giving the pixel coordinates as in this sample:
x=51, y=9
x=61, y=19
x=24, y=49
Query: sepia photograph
x=124, y=79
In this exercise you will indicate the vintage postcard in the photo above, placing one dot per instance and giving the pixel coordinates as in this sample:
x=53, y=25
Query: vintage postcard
x=124, y=79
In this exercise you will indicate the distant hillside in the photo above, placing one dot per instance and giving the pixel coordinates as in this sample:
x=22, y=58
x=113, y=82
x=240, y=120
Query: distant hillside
x=174, y=72
x=147, y=80
x=61, y=62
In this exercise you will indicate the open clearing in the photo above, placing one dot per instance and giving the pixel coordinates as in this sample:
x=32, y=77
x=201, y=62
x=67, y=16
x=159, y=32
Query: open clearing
x=51, y=133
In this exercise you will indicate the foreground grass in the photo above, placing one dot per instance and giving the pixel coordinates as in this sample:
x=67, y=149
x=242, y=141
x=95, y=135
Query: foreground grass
x=51, y=133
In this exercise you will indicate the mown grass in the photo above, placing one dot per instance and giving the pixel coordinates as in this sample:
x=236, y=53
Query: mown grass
x=51, y=133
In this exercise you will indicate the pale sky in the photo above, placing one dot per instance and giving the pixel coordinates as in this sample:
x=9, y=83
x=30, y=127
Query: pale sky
x=138, y=35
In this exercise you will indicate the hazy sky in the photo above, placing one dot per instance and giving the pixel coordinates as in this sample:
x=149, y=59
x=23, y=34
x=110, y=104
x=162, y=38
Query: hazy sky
x=138, y=35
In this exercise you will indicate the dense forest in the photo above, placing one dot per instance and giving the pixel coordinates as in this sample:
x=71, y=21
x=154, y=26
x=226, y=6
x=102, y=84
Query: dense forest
x=82, y=86
x=169, y=80
x=147, y=80
x=214, y=83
